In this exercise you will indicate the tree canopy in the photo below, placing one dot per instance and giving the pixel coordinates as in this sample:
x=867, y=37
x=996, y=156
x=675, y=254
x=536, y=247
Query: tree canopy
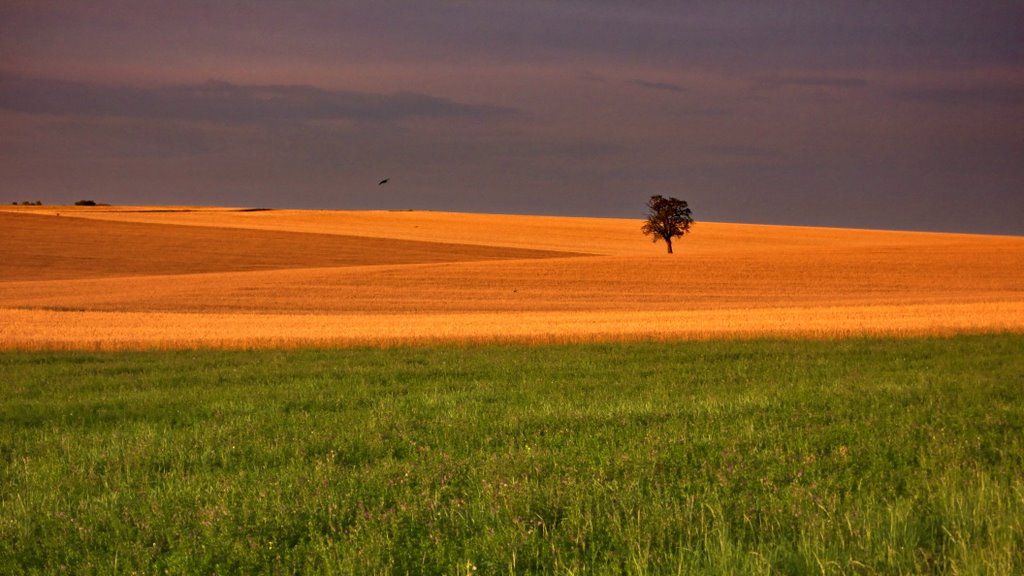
x=667, y=218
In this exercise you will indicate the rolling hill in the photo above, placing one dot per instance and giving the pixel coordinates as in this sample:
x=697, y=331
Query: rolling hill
x=102, y=277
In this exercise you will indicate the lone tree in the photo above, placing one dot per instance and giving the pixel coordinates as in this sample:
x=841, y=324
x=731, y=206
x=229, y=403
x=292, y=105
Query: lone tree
x=666, y=219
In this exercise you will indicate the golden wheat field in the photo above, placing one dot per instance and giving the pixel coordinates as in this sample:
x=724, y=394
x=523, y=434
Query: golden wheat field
x=143, y=277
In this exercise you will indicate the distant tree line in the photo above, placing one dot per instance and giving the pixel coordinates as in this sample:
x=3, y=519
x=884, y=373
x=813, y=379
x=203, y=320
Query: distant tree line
x=79, y=203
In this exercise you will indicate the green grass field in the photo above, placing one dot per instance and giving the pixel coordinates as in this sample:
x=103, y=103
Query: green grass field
x=793, y=457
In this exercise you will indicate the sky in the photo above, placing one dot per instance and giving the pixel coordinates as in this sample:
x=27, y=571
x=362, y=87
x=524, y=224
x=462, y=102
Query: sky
x=862, y=114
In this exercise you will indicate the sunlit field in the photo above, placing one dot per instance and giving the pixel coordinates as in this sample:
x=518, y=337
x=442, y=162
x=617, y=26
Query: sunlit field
x=114, y=278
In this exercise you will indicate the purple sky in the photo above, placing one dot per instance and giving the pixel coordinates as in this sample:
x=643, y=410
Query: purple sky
x=906, y=115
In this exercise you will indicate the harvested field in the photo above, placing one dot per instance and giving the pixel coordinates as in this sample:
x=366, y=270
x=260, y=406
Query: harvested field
x=78, y=330
x=138, y=278
x=60, y=248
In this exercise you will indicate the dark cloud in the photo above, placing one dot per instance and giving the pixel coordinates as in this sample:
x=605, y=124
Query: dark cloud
x=810, y=81
x=999, y=95
x=590, y=76
x=710, y=112
x=739, y=35
x=737, y=151
x=665, y=86
x=225, y=102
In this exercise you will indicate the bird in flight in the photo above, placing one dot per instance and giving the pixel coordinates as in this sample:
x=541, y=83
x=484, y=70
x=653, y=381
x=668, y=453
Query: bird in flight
x=384, y=181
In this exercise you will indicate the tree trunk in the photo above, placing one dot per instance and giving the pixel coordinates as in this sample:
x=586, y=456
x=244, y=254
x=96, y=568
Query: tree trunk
x=669, y=242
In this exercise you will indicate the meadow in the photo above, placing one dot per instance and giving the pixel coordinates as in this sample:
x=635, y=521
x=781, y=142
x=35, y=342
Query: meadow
x=865, y=456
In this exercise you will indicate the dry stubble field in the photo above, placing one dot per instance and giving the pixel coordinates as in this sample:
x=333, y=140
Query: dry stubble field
x=124, y=278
